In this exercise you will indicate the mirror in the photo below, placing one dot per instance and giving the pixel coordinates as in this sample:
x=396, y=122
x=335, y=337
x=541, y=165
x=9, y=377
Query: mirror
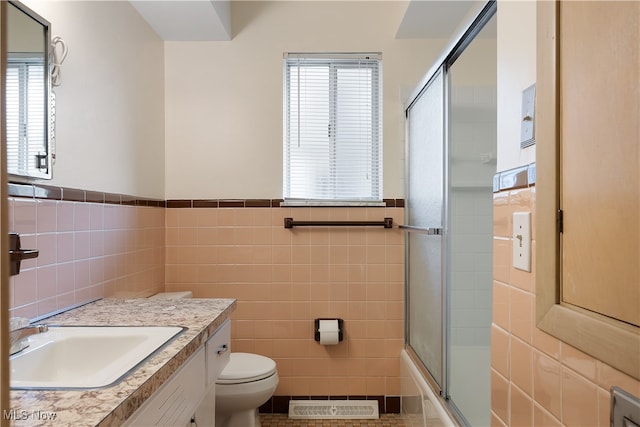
x=29, y=107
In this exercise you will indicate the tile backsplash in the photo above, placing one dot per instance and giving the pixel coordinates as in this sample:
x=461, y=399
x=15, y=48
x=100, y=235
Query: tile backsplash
x=87, y=251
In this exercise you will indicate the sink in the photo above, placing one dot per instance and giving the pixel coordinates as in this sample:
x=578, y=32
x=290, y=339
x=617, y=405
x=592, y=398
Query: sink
x=77, y=357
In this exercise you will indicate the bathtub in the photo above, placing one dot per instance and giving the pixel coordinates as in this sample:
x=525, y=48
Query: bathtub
x=420, y=405
x=424, y=407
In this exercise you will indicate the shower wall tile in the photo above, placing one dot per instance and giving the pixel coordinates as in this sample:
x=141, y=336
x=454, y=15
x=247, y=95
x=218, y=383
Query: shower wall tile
x=87, y=251
x=546, y=382
x=471, y=279
x=285, y=278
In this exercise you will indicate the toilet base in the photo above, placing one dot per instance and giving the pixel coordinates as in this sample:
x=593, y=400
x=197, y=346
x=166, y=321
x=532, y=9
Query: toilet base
x=249, y=418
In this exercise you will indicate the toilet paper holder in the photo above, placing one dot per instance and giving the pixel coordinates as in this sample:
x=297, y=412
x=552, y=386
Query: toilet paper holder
x=317, y=328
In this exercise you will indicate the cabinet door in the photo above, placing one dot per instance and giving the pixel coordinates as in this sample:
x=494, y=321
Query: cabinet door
x=176, y=401
x=588, y=178
x=218, y=350
x=600, y=156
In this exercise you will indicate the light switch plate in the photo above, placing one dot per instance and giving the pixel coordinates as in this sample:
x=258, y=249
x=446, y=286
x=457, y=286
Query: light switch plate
x=527, y=119
x=522, y=240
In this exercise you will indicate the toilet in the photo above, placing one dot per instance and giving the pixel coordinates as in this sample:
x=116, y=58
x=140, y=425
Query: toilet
x=246, y=383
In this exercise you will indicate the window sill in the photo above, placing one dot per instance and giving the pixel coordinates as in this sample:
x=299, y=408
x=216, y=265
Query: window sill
x=332, y=203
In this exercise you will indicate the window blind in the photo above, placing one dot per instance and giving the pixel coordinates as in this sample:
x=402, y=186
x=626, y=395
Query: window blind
x=333, y=127
x=25, y=113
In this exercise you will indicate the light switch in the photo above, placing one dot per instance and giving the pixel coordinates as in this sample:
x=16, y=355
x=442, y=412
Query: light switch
x=527, y=123
x=522, y=240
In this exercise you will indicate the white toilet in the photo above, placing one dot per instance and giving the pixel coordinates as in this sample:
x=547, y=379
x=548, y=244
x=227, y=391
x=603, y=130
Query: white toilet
x=247, y=382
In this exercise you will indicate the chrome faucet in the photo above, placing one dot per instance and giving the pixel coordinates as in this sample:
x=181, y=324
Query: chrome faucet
x=18, y=334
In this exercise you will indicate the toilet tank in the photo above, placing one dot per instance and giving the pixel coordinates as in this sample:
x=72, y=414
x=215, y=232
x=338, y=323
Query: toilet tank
x=172, y=295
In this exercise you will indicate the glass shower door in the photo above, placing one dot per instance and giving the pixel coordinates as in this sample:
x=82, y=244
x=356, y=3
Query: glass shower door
x=424, y=217
x=472, y=146
x=451, y=146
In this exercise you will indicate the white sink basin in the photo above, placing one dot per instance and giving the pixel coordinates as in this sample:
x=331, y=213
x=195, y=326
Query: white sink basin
x=85, y=356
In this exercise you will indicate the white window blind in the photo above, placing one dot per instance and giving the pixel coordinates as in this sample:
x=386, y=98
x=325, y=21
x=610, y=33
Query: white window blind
x=25, y=113
x=333, y=127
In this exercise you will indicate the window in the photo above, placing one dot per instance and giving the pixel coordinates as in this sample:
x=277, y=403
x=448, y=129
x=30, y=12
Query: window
x=25, y=113
x=332, y=127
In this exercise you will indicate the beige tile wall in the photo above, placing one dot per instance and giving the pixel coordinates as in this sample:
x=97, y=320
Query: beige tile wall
x=537, y=380
x=87, y=251
x=285, y=278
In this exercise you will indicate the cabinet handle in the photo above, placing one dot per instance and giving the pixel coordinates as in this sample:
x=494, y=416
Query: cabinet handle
x=222, y=349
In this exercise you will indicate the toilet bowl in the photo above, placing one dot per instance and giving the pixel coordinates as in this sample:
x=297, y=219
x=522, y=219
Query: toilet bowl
x=247, y=382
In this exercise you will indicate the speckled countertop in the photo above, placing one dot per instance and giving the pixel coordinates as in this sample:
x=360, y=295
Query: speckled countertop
x=110, y=406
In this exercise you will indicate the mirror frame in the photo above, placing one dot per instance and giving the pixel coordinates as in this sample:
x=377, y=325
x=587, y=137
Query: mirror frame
x=49, y=129
x=612, y=342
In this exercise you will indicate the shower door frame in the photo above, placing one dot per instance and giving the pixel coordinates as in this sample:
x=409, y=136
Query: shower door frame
x=443, y=64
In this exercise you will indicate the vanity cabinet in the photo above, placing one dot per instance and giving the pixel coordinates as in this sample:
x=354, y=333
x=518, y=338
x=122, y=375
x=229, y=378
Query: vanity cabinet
x=190, y=391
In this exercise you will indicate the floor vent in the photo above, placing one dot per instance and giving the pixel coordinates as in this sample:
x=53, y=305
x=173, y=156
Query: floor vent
x=334, y=409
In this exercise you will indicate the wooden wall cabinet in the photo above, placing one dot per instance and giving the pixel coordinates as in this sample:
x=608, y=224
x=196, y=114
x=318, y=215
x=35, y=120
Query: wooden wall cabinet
x=588, y=180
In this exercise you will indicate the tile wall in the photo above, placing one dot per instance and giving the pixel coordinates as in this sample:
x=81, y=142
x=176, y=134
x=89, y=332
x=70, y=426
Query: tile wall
x=285, y=278
x=87, y=251
x=536, y=379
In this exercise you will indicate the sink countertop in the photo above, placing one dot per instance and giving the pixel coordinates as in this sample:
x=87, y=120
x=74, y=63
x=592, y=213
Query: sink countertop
x=111, y=406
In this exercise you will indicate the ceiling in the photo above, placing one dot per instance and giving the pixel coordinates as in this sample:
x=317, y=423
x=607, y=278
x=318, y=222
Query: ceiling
x=187, y=20
x=210, y=20
x=433, y=19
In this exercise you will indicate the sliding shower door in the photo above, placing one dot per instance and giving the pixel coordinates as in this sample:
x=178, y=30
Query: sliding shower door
x=472, y=135
x=424, y=216
x=451, y=150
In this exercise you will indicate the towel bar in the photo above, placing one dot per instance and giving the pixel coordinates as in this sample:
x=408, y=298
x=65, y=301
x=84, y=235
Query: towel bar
x=386, y=223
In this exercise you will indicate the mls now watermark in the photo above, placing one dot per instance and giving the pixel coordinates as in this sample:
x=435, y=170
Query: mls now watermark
x=24, y=415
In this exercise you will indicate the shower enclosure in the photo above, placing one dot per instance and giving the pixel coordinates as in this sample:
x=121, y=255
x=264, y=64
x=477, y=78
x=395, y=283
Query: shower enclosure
x=451, y=150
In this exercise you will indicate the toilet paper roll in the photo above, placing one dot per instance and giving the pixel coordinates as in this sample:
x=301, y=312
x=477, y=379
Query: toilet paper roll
x=329, y=330
x=329, y=337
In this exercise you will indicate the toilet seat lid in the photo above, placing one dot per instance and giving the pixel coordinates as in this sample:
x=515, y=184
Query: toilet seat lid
x=246, y=367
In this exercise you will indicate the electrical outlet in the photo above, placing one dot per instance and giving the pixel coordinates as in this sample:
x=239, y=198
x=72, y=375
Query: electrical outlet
x=522, y=240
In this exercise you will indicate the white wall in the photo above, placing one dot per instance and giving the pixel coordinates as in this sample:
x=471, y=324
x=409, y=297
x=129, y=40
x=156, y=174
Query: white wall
x=224, y=99
x=516, y=72
x=110, y=106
